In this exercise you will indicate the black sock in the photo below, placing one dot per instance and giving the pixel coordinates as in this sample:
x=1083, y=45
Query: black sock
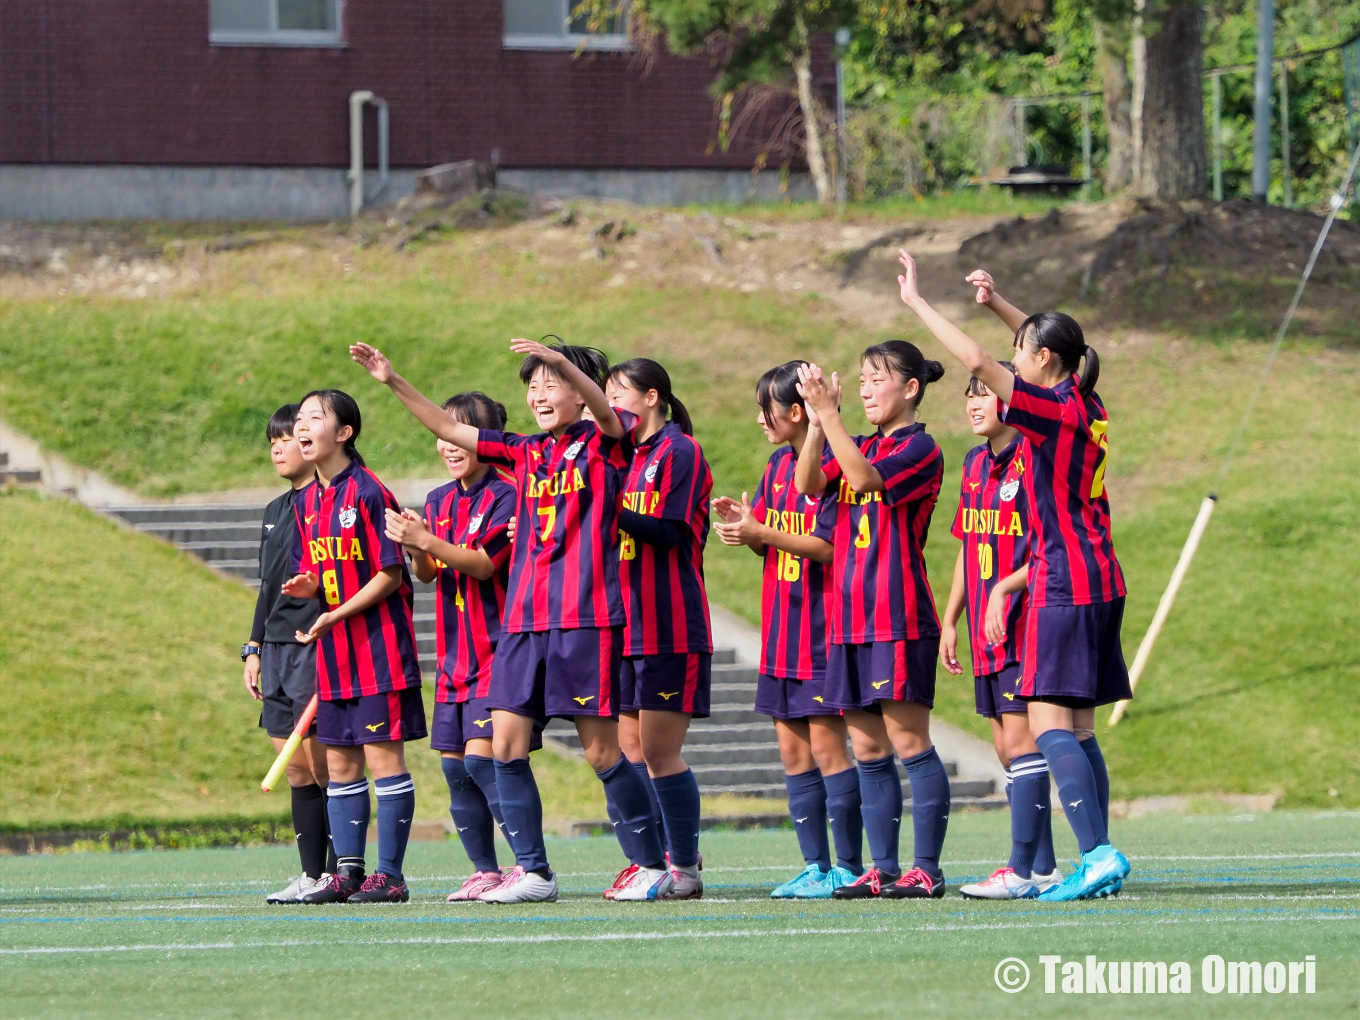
x=309, y=822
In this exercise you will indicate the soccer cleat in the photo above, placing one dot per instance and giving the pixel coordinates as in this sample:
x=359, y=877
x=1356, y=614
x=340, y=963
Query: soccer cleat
x=480, y=882
x=680, y=884
x=836, y=878
x=290, y=892
x=1046, y=882
x=809, y=877
x=699, y=865
x=620, y=880
x=869, y=884
x=1101, y=873
x=381, y=887
x=915, y=885
x=639, y=885
x=522, y=886
x=1004, y=884
x=342, y=885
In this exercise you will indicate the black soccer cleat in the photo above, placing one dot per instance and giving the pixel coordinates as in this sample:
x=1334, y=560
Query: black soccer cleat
x=868, y=885
x=346, y=882
x=380, y=887
x=915, y=885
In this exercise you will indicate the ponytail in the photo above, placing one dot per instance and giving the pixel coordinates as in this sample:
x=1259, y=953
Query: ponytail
x=643, y=374
x=1091, y=376
x=1061, y=334
x=345, y=410
x=906, y=361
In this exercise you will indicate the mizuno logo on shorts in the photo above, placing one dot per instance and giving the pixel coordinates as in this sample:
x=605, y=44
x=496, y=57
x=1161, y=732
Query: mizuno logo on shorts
x=663, y=694
x=1008, y=697
x=879, y=683
x=481, y=722
x=375, y=727
x=582, y=701
x=817, y=698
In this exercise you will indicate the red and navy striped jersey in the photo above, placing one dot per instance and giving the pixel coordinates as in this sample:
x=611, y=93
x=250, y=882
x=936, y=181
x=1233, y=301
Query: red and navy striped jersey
x=1072, y=560
x=793, y=589
x=880, y=591
x=341, y=537
x=663, y=589
x=993, y=523
x=468, y=611
x=564, y=567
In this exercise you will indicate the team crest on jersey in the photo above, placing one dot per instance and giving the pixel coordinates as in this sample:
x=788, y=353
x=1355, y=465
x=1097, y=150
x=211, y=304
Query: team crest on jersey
x=574, y=449
x=650, y=473
x=348, y=515
x=475, y=523
x=1009, y=490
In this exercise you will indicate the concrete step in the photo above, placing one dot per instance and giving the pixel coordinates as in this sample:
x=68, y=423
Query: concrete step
x=732, y=754
x=20, y=476
x=231, y=551
x=4, y=458
x=173, y=512
x=203, y=531
x=246, y=570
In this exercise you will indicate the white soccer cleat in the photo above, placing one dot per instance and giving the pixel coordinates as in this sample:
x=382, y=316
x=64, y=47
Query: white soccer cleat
x=1004, y=884
x=681, y=884
x=522, y=886
x=293, y=890
x=641, y=886
x=1046, y=882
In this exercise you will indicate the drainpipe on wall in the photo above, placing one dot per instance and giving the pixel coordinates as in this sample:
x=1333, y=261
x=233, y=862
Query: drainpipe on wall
x=356, y=148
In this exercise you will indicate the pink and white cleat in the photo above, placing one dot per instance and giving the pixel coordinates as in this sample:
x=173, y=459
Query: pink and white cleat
x=1004, y=884
x=480, y=882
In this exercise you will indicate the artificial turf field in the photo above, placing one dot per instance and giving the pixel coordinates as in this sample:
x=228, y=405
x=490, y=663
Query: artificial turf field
x=186, y=933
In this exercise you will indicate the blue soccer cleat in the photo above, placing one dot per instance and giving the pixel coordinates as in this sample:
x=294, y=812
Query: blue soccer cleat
x=836, y=878
x=1101, y=873
x=811, y=876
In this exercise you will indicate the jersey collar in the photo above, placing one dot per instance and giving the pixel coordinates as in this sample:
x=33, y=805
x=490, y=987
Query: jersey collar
x=345, y=475
x=1002, y=460
x=668, y=431
x=904, y=431
x=478, y=486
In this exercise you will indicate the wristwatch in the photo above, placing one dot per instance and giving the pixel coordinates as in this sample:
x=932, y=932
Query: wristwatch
x=248, y=650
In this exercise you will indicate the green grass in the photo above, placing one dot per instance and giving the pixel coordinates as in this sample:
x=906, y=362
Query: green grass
x=937, y=205
x=187, y=934
x=1251, y=689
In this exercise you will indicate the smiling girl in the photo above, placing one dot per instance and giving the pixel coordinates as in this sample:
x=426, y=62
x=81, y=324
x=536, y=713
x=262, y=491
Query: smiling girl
x=884, y=631
x=367, y=673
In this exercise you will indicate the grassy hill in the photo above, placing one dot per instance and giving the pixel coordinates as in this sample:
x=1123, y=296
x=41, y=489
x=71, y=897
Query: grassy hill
x=1252, y=687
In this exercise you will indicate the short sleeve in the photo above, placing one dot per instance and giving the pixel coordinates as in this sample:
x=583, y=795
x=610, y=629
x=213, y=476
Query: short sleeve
x=677, y=476
x=496, y=447
x=493, y=536
x=956, y=529
x=431, y=514
x=830, y=465
x=382, y=551
x=761, y=502
x=1035, y=411
x=824, y=524
x=619, y=452
x=909, y=469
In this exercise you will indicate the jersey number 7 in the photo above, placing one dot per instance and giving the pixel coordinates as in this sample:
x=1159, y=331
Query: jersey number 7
x=547, y=515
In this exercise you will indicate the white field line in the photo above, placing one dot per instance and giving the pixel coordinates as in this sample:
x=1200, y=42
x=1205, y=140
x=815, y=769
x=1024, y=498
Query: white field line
x=650, y=936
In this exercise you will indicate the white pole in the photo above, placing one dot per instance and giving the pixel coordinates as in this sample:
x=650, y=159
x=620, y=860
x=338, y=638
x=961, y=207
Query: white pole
x=1206, y=510
x=356, y=150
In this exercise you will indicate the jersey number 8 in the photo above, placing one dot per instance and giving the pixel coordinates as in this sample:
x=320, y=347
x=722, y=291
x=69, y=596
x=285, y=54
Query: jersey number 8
x=331, y=585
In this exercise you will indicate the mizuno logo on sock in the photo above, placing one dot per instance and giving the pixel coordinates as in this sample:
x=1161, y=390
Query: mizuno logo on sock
x=403, y=821
x=643, y=829
x=800, y=821
x=513, y=832
x=1074, y=804
x=464, y=828
x=355, y=821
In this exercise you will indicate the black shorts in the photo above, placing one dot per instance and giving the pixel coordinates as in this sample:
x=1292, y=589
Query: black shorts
x=287, y=681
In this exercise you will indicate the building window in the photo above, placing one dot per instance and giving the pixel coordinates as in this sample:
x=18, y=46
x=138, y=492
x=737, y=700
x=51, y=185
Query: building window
x=274, y=22
x=549, y=25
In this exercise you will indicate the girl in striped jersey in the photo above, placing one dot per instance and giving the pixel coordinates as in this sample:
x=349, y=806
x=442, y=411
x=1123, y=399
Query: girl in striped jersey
x=667, y=643
x=367, y=673
x=884, y=632
x=792, y=533
x=1072, y=658
x=989, y=581
x=462, y=543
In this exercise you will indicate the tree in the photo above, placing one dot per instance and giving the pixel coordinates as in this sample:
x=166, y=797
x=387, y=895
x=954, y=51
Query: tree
x=1112, y=38
x=1167, y=117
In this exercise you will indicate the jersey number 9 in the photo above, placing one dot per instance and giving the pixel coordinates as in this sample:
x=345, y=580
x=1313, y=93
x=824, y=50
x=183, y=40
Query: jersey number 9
x=862, y=538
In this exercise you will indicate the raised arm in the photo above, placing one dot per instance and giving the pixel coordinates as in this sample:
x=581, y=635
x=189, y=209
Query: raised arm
x=968, y=351
x=596, y=401
x=987, y=295
x=823, y=399
x=426, y=411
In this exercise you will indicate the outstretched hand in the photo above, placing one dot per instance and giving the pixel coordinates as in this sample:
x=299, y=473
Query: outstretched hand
x=909, y=280
x=820, y=395
x=302, y=586
x=318, y=630
x=986, y=286
x=373, y=361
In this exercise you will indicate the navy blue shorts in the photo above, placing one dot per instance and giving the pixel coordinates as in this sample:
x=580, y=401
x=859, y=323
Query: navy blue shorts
x=349, y=722
x=558, y=674
x=782, y=698
x=666, y=682
x=998, y=693
x=457, y=722
x=859, y=675
x=1072, y=655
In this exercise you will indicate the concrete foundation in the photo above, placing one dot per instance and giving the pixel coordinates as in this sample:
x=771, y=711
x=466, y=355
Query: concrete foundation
x=66, y=193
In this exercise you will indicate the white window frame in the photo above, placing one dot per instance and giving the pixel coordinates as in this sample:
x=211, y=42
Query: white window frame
x=617, y=41
x=275, y=37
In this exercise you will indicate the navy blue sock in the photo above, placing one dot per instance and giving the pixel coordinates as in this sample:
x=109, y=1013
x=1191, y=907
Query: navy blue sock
x=483, y=773
x=471, y=815
x=624, y=837
x=1092, y=748
x=843, y=812
x=522, y=809
x=621, y=783
x=1029, y=812
x=348, y=808
x=880, y=794
x=678, y=796
x=640, y=767
x=929, y=809
x=1076, y=785
x=396, y=811
x=807, y=808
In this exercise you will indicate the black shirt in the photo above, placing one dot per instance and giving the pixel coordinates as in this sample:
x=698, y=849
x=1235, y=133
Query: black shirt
x=277, y=615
